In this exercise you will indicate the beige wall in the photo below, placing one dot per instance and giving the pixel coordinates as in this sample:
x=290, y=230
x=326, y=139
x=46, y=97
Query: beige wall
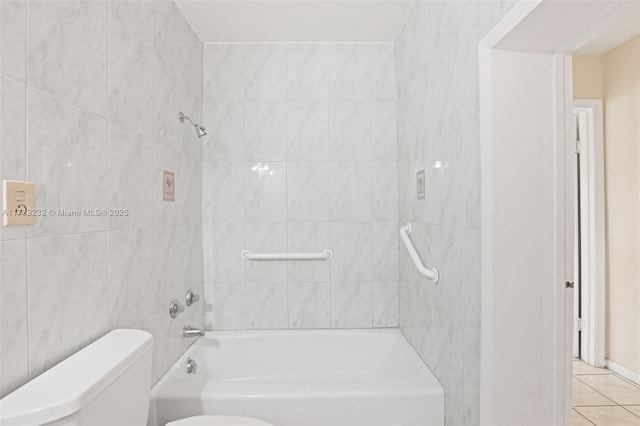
x=587, y=77
x=621, y=86
x=615, y=76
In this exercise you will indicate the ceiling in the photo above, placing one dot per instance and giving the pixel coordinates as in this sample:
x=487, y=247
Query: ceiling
x=238, y=21
x=619, y=28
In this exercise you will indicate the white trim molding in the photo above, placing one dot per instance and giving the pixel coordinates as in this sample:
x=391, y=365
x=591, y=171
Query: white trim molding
x=622, y=371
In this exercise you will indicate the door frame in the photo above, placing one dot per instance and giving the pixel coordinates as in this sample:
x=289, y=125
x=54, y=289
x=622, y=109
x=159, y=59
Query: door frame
x=526, y=309
x=592, y=231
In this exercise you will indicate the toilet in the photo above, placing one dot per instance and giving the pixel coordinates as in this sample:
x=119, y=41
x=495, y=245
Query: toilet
x=105, y=384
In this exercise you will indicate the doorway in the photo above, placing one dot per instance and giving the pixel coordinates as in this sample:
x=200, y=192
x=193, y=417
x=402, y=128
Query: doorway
x=587, y=189
x=606, y=367
x=526, y=120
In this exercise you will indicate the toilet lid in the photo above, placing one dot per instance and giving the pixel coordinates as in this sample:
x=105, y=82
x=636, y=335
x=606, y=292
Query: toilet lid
x=218, y=421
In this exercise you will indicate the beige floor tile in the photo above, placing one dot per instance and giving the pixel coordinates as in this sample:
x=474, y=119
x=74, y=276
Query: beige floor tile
x=578, y=419
x=609, y=416
x=581, y=367
x=584, y=395
x=613, y=387
x=635, y=409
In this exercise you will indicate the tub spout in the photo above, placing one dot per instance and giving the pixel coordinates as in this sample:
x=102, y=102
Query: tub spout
x=189, y=331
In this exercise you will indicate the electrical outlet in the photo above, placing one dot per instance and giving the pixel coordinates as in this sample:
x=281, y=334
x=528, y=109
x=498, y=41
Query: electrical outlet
x=19, y=203
x=420, y=185
x=169, y=188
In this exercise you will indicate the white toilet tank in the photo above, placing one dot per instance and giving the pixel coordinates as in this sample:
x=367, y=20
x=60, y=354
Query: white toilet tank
x=106, y=383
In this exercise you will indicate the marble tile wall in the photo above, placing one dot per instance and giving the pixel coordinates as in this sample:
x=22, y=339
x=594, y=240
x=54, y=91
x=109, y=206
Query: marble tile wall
x=90, y=95
x=302, y=156
x=436, y=57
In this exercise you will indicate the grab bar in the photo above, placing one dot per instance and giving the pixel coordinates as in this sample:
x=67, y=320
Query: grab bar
x=432, y=273
x=325, y=255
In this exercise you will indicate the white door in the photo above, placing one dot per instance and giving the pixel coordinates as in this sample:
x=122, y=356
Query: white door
x=574, y=230
x=581, y=201
x=588, y=237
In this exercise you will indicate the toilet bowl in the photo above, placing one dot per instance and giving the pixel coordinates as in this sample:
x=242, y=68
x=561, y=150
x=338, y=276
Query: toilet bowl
x=218, y=421
x=105, y=384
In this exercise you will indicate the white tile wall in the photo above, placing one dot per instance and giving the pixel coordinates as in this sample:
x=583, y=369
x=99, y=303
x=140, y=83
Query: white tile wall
x=308, y=237
x=265, y=237
x=13, y=316
x=13, y=49
x=351, y=244
x=264, y=72
x=90, y=93
x=13, y=101
x=350, y=131
x=307, y=131
x=349, y=71
x=307, y=72
x=351, y=304
x=226, y=306
x=66, y=149
x=438, y=131
x=69, y=61
x=225, y=131
x=351, y=190
x=384, y=131
x=302, y=156
x=129, y=177
x=222, y=244
x=223, y=74
x=310, y=304
x=131, y=271
x=130, y=76
x=67, y=283
x=308, y=191
x=267, y=305
x=265, y=131
x=265, y=188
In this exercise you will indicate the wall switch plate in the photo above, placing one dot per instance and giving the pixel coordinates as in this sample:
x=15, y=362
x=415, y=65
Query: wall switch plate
x=420, y=185
x=168, y=185
x=18, y=206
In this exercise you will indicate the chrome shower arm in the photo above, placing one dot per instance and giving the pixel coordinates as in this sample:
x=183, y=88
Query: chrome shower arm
x=182, y=116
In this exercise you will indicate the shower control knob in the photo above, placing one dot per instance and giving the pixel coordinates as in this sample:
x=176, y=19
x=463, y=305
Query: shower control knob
x=191, y=298
x=175, y=308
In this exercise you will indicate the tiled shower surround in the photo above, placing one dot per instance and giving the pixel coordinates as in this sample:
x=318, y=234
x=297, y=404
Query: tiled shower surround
x=90, y=98
x=309, y=146
x=439, y=131
x=301, y=157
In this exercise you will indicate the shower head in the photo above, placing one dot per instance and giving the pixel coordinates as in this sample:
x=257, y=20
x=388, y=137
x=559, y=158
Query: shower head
x=200, y=130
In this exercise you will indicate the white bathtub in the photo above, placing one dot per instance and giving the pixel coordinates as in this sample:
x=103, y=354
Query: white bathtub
x=303, y=378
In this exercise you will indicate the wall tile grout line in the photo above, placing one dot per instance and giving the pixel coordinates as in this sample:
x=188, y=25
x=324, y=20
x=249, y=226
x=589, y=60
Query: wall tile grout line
x=27, y=7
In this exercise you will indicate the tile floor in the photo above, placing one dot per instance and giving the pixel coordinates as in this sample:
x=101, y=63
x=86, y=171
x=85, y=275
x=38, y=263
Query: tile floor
x=602, y=398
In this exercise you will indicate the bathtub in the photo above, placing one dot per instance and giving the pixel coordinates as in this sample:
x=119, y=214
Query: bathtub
x=302, y=378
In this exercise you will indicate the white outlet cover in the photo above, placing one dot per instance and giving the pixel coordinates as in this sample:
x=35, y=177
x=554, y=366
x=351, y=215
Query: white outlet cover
x=19, y=202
